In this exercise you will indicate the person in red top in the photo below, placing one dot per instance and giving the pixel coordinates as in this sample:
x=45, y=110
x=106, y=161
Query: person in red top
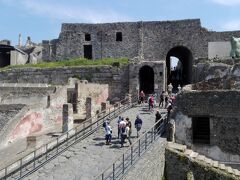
x=151, y=102
x=142, y=97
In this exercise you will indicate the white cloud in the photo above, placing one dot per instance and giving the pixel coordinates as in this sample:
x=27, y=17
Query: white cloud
x=231, y=25
x=68, y=13
x=227, y=2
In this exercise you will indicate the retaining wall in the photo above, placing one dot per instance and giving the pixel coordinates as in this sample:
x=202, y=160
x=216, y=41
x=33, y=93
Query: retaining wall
x=182, y=163
x=117, y=78
x=151, y=165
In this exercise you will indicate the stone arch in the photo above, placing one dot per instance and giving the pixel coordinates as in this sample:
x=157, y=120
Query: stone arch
x=183, y=71
x=146, y=79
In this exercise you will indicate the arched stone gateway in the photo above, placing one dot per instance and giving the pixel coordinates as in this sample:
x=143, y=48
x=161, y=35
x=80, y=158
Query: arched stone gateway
x=146, y=79
x=182, y=73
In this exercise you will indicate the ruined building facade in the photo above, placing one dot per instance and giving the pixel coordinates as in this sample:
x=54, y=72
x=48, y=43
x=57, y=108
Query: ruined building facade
x=144, y=43
x=149, y=47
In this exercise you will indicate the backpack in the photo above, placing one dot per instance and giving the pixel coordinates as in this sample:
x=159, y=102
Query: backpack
x=104, y=124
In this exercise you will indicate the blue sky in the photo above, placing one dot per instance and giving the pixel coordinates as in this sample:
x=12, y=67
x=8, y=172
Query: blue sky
x=42, y=19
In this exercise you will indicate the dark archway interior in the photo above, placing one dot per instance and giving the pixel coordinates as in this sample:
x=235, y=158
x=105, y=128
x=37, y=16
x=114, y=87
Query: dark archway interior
x=146, y=79
x=5, y=54
x=182, y=74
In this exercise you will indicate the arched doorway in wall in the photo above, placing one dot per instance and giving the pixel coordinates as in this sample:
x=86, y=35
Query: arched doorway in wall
x=146, y=79
x=5, y=55
x=179, y=66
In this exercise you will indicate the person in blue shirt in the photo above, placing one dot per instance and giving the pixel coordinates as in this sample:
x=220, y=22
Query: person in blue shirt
x=138, y=124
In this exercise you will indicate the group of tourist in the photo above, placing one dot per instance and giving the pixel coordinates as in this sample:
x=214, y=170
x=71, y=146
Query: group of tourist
x=125, y=126
x=124, y=129
x=166, y=100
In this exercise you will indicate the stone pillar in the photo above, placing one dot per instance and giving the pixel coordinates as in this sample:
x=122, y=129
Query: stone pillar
x=103, y=107
x=75, y=99
x=19, y=40
x=31, y=142
x=67, y=118
x=88, y=107
x=48, y=101
x=129, y=98
x=171, y=131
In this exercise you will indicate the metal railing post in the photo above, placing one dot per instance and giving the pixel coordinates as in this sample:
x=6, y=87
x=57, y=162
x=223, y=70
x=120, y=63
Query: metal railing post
x=152, y=135
x=21, y=167
x=139, y=147
x=34, y=162
x=123, y=164
x=57, y=144
x=67, y=137
x=102, y=176
x=46, y=150
x=145, y=141
x=6, y=171
x=83, y=128
x=113, y=171
x=131, y=155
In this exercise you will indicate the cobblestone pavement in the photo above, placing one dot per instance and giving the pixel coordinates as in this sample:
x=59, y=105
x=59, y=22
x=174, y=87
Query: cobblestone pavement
x=91, y=156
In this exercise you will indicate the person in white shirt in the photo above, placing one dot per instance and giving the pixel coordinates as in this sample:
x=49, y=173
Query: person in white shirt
x=108, y=134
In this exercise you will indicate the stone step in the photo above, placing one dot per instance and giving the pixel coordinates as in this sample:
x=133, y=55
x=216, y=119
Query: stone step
x=178, y=147
x=193, y=155
x=221, y=166
x=208, y=161
x=188, y=152
x=215, y=164
x=229, y=169
x=236, y=172
x=201, y=157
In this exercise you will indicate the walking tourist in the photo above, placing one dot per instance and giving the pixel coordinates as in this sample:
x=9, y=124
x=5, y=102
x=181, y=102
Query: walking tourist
x=138, y=124
x=142, y=97
x=166, y=99
x=161, y=99
x=108, y=133
x=118, y=122
x=151, y=102
x=169, y=108
x=123, y=132
x=157, y=120
x=129, y=124
x=170, y=88
x=128, y=132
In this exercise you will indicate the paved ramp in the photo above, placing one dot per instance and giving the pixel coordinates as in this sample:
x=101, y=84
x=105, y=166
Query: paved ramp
x=91, y=156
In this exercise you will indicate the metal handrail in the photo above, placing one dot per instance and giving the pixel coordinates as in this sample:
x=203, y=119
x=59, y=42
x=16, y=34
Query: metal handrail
x=122, y=164
x=40, y=156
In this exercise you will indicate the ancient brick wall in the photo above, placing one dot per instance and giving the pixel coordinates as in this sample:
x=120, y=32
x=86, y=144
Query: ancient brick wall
x=116, y=78
x=103, y=40
x=181, y=166
x=222, y=108
x=150, y=40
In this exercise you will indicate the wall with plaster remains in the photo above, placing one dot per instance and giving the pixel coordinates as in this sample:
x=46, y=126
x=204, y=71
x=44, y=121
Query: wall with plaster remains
x=36, y=117
x=222, y=107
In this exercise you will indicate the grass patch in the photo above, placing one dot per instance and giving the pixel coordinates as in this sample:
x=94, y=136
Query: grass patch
x=73, y=62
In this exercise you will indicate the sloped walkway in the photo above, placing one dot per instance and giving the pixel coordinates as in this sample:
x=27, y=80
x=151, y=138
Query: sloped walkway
x=91, y=156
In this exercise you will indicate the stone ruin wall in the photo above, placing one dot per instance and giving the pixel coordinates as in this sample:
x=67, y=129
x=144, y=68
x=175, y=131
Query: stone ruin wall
x=36, y=116
x=116, y=78
x=222, y=107
x=150, y=40
x=182, y=165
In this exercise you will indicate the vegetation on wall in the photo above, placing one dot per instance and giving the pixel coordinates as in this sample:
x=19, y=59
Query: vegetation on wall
x=74, y=62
